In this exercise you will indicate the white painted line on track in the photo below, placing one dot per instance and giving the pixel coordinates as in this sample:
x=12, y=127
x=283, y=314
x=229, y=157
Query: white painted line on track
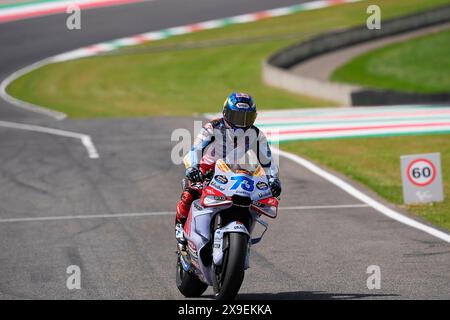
x=84, y=138
x=22, y=104
x=157, y=213
x=363, y=197
x=93, y=216
x=339, y=206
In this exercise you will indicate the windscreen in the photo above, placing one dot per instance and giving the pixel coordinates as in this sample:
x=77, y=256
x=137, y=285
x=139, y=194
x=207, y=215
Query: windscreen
x=247, y=163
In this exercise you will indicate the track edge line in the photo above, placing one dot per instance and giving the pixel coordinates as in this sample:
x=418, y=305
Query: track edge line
x=378, y=206
x=23, y=104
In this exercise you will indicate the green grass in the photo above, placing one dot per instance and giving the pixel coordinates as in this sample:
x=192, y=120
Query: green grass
x=155, y=79
x=375, y=162
x=419, y=65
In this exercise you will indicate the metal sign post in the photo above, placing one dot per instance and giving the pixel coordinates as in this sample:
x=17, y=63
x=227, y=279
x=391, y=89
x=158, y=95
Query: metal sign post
x=422, y=178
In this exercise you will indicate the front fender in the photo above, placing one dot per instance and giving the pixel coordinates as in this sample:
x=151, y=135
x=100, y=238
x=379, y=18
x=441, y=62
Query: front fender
x=233, y=226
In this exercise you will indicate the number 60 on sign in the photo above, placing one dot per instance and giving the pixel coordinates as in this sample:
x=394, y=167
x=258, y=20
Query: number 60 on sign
x=421, y=176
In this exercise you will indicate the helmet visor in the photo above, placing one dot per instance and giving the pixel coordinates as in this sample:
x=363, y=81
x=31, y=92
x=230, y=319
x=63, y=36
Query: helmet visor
x=240, y=118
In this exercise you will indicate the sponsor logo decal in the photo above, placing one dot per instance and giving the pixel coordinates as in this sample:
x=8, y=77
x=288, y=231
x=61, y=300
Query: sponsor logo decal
x=221, y=179
x=262, y=185
x=264, y=194
x=239, y=226
x=258, y=204
x=242, y=105
x=245, y=193
x=192, y=250
x=197, y=207
x=217, y=186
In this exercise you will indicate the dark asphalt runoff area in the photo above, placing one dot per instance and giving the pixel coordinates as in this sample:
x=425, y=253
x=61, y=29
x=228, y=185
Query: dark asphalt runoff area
x=73, y=210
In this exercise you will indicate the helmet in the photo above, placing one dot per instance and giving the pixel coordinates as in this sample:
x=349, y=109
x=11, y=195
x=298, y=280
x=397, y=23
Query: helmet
x=239, y=110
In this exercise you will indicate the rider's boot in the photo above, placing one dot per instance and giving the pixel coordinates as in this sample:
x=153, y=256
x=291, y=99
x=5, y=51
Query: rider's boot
x=179, y=235
x=183, y=208
x=182, y=211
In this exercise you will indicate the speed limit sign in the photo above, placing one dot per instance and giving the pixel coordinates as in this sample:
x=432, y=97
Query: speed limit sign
x=421, y=175
x=421, y=172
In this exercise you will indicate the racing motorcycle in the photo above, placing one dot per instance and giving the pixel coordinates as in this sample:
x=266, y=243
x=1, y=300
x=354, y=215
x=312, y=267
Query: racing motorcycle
x=219, y=230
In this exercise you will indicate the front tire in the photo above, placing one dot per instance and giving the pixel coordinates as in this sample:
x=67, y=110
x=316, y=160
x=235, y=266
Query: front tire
x=233, y=267
x=188, y=284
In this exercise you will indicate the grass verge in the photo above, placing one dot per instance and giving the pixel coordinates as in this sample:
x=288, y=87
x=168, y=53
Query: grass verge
x=169, y=78
x=418, y=65
x=375, y=162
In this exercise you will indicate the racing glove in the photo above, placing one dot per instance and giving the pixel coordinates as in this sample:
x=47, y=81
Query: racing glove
x=194, y=174
x=275, y=186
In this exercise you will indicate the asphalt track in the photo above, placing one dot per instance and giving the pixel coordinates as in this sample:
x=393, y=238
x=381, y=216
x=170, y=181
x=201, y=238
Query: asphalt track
x=308, y=253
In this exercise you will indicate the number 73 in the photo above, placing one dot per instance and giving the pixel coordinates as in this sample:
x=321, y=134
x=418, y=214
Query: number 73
x=245, y=183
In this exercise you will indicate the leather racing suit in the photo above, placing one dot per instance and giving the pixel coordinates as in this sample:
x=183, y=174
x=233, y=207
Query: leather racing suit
x=204, y=154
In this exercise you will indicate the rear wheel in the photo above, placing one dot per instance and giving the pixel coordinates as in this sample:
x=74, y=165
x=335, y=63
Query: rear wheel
x=189, y=285
x=229, y=276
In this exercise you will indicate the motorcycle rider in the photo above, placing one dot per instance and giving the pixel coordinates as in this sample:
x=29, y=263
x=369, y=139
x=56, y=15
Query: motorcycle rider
x=239, y=112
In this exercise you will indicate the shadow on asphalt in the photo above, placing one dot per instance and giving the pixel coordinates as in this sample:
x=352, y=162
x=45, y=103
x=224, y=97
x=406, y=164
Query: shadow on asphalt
x=307, y=295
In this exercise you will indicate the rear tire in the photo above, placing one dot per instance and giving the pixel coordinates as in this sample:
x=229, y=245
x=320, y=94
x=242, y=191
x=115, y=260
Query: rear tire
x=188, y=284
x=233, y=266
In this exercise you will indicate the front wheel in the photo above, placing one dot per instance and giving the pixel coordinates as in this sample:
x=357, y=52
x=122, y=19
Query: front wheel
x=188, y=284
x=228, y=277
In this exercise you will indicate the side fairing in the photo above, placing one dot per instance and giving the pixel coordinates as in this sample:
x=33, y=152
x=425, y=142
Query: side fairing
x=197, y=231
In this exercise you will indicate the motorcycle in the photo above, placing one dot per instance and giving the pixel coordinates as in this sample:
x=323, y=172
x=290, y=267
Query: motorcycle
x=219, y=230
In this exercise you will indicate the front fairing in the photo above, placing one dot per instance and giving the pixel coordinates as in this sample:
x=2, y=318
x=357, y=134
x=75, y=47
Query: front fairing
x=254, y=185
x=227, y=183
